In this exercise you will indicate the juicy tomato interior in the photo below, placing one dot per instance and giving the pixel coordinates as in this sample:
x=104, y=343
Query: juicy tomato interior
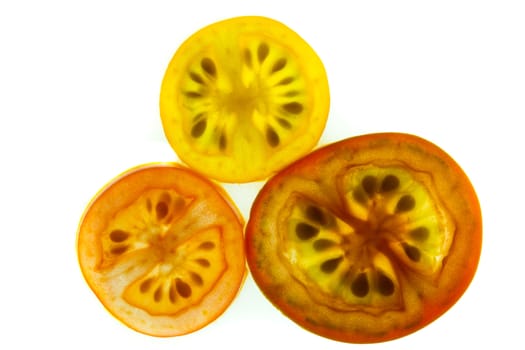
x=242, y=98
x=162, y=248
x=367, y=239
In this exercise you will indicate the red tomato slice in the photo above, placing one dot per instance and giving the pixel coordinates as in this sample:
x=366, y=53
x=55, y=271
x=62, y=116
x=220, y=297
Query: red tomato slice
x=368, y=239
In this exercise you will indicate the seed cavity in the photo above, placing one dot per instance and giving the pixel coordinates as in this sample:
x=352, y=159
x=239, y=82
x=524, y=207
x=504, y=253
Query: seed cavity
x=286, y=81
x=305, y=231
x=369, y=184
x=262, y=52
x=222, y=142
x=293, y=107
x=119, y=250
x=198, y=129
x=292, y=93
x=359, y=286
x=208, y=66
x=331, y=265
x=248, y=58
x=279, y=65
x=405, y=203
x=412, y=252
x=208, y=245
x=196, y=78
x=172, y=293
x=316, y=215
x=145, y=285
x=419, y=234
x=196, y=278
x=203, y=262
x=359, y=196
x=157, y=296
x=118, y=236
x=272, y=137
x=323, y=244
x=183, y=288
x=284, y=123
x=389, y=183
x=385, y=286
x=161, y=210
x=193, y=94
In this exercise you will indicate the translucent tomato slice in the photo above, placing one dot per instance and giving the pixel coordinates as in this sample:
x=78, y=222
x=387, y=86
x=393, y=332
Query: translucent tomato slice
x=368, y=239
x=242, y=98
x=162, y=248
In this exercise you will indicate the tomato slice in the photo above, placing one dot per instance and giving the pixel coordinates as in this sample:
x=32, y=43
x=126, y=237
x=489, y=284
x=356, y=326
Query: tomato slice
x=163, y=250
x=242, y=98
x=368, y=239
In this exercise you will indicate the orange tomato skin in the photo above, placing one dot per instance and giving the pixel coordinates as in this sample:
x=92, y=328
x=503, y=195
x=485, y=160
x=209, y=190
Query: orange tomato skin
x=110, y=280
x=316, y=173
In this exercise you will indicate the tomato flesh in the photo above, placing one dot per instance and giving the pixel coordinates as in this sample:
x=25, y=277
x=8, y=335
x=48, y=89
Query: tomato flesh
x=242, y=98
x=162, y=248
x=367, y=239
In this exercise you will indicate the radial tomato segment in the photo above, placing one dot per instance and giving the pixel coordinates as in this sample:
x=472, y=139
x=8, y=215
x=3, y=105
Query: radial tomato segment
x=242, y=98
x=367, y=239
x=185, y=274
x=162, y=248
x=397, y=208
x=322, y=251
x=144, y=224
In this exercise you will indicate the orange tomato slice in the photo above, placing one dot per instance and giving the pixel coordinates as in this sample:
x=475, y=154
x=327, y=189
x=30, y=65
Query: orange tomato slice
x=162, y=248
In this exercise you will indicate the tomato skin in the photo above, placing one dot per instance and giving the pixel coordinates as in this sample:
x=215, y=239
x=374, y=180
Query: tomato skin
x=109, y=278
x=314, y=176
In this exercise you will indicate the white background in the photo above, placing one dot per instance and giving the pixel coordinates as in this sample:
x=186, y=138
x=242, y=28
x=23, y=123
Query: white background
x=79, y=87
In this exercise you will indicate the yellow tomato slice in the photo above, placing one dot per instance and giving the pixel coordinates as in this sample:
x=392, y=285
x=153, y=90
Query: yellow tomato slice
x=242, y=98
x=162, y=248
